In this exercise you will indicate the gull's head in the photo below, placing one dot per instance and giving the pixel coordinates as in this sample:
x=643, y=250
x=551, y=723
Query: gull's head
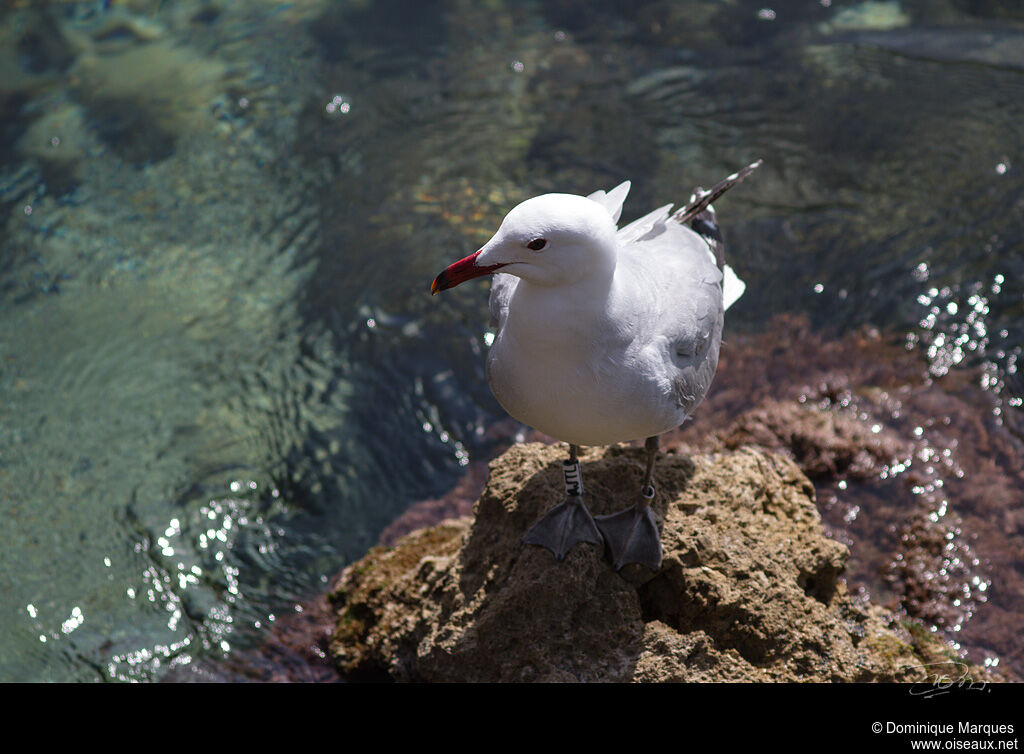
x=552, y=239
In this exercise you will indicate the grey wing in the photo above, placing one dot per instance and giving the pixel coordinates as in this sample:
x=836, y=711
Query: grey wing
x=502, y=287
x=691, y=311
x=650, y=225
x=695, y=354
x=705, y=224
x=699, y=215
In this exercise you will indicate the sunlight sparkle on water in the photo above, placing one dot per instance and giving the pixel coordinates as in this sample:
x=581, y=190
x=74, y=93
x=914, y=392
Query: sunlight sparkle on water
x=339, y=105
x=76, y=620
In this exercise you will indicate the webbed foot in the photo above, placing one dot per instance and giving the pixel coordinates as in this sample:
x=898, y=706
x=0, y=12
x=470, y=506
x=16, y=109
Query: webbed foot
x=632, y=535
x=563, y=526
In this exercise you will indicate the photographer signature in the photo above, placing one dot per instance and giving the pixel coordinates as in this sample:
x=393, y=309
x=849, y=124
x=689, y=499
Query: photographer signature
x=942, y=678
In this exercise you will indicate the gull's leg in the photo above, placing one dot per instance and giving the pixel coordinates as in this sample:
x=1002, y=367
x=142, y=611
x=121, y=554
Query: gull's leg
x=568, y=522
x=632, y=534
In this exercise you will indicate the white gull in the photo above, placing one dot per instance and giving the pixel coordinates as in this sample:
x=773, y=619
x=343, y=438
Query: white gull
x=604, y=335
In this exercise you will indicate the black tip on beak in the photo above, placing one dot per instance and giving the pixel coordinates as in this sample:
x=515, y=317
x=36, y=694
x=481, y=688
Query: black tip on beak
x=440, y=283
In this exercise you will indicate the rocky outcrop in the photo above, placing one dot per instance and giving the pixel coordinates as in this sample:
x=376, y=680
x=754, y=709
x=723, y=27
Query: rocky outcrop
x=749, y=588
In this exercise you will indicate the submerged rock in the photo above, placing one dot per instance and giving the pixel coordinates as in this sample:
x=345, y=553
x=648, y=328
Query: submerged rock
x=749, y=587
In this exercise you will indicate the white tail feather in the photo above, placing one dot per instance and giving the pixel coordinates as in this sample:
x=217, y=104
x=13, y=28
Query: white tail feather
x=732, y=287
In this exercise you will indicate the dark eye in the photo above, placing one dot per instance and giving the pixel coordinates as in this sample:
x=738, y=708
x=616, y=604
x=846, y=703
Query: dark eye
x=537, y=244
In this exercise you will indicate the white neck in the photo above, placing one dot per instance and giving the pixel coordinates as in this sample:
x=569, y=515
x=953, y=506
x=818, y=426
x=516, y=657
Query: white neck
x=562, y=318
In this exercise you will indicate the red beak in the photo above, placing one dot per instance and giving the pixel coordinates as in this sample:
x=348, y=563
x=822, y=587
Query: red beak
x=460, y=272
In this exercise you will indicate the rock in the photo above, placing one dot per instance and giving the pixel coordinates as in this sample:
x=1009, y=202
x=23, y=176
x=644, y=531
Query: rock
x=926, y=493
x=825, y=444
x=749, y=589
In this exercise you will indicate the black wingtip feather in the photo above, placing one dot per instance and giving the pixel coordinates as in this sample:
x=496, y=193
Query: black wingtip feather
x=702, y=199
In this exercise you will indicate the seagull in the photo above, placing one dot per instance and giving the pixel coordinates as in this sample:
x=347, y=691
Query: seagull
x=604, y=335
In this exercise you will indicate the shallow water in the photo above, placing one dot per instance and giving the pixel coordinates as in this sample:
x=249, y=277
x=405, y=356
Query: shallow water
x=221, y=372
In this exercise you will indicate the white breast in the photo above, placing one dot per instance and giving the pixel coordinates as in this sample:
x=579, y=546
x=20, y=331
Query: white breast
x=580, y=378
